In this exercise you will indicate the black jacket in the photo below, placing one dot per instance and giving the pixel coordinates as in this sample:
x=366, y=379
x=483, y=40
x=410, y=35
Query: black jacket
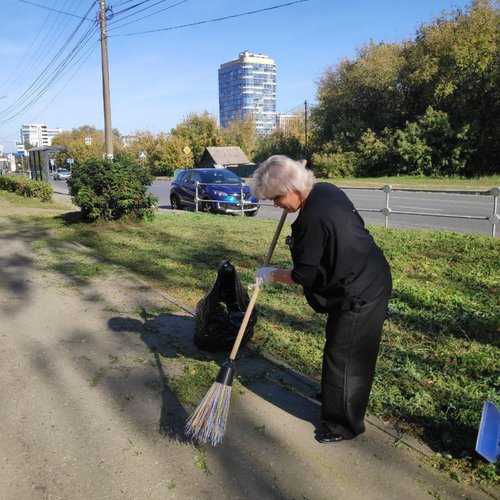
x=335, y=257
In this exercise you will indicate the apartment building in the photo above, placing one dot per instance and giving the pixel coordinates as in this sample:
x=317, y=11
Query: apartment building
x=247, y=85
x=38, y=135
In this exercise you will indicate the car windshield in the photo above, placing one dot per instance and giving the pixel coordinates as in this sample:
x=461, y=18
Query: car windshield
x=220, y=176
x=63, y=170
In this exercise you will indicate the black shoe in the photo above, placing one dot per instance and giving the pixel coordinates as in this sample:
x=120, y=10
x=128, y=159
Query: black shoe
x=326, y=436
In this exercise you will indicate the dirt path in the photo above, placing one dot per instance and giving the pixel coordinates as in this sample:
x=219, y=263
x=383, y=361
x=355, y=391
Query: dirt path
x=88, y=410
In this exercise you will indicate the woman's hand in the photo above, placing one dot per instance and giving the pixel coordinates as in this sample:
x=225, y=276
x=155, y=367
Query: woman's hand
x=264, y=275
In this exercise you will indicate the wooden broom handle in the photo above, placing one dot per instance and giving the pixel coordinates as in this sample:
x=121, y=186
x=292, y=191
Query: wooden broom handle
x=255, y=293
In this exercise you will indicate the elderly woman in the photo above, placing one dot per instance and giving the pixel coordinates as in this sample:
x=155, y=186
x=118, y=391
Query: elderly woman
x=344, y=274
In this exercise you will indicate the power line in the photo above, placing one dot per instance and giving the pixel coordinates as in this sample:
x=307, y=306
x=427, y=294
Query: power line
x=43, y=82
x=26, y=101
x=123, y=2
x=85, y=57
x=40, y=77
x=295, y=110
x=52, y=35
x=213, y=20
x=132, y=7
x=144, y=17
x=54, y=10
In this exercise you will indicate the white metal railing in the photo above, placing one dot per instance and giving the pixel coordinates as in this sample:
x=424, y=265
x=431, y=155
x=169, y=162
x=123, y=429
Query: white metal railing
x=494, y=217
x=241, y=203
x=386, y=211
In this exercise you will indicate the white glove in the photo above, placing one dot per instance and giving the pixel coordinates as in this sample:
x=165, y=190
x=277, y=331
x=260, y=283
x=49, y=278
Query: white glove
x=263, y=276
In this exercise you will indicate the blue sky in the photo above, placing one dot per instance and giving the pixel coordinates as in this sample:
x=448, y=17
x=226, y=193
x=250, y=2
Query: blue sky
x=158, y=78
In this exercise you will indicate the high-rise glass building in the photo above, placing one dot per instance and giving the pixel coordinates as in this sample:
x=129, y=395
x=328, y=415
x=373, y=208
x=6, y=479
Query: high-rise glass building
x=247, y=85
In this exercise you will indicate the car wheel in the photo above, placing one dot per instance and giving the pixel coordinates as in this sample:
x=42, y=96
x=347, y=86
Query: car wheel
x=208, y=207
x=253, y=213
x=175, y=202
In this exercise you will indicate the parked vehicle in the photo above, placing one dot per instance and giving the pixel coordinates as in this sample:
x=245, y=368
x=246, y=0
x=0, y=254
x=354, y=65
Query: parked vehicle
x=62, y=174
x=219, y=191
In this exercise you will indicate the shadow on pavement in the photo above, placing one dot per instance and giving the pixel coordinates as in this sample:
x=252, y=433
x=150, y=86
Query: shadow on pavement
x=165, y=337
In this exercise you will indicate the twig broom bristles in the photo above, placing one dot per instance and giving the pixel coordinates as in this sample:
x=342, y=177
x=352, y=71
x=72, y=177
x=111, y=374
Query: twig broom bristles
x=208, y=421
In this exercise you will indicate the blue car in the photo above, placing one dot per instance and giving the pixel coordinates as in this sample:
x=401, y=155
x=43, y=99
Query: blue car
x=219, y=191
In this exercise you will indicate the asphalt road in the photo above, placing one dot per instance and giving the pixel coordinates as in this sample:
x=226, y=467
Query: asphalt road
x=439, y=205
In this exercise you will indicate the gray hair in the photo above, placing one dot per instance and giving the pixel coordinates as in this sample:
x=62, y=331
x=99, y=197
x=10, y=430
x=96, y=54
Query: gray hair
x=279, y=175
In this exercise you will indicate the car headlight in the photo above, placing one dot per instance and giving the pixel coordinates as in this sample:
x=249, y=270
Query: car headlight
x=221, y=194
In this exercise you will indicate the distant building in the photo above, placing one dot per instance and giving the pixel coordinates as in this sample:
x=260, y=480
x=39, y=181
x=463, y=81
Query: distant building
x=247, y=86
x=127, y=140
x=284, y=120
x=38, y=135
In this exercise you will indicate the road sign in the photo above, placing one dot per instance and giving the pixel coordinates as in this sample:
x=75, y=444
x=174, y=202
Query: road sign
x=70, y=161
x=142, y=154
x=88, y=141
x=186, y=150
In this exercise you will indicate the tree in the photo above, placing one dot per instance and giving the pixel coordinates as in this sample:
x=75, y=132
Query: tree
x=338, y=164
x=278, y=143
x=241, y=133
x=451, y=67
x=198, y=131
x=358, y=95
x=164, y=153
x=374, y=153
x=415, y=156
x=449, y=147
x=79, y=150
x=295, y=127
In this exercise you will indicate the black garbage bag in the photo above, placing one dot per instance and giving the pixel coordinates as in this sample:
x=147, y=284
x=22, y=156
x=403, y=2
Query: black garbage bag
x=220, y=312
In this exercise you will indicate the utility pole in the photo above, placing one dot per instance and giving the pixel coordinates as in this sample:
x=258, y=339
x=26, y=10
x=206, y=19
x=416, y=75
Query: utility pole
x=108, y=129
x=305, y=127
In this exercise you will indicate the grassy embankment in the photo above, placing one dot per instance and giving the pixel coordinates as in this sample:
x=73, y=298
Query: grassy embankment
x=439, y=355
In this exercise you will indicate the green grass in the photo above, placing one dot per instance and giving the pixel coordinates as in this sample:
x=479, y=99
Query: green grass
x=410, y=181
x=26, y=202
x=407, y=181
x=439, y=355
x=76, y=266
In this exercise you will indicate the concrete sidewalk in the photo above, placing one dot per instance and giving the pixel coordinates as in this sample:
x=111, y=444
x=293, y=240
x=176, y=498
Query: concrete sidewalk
x=88, y=410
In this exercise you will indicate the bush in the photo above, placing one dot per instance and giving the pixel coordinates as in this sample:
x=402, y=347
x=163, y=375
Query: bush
x=342, y=164
x=374, y=153
x=8, y=183
x=278, y=143
x=26, y=187
x=112, y=189
x=430, y=146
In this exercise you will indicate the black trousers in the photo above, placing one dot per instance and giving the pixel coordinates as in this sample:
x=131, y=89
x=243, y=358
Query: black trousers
x=349, y=357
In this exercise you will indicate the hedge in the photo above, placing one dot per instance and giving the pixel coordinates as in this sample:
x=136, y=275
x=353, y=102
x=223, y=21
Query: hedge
x=27, y=187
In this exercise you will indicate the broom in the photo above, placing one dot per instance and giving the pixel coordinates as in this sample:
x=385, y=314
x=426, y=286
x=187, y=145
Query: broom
x=208, y=421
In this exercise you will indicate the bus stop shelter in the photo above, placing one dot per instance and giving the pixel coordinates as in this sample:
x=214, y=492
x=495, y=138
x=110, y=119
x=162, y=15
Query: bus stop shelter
x=39, y=161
